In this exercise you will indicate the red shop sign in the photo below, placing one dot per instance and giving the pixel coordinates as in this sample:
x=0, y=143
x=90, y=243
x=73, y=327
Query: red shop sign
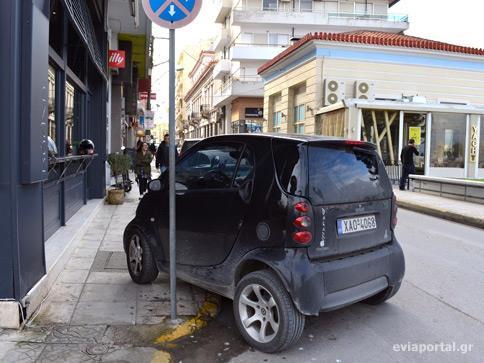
x=117, y=59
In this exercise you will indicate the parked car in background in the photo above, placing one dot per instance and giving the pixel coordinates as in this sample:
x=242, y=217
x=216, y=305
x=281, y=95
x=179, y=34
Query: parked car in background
x=187, y=144
x=286, y=226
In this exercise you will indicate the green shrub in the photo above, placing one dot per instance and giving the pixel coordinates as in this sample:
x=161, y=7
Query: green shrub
x=119, y=164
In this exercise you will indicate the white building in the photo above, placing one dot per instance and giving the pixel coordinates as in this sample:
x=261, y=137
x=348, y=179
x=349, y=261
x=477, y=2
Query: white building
x=254, y=31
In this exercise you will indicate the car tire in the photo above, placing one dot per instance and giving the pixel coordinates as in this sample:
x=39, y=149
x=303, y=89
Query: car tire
x=265, y=313
x=139, y=257
x=382, y=296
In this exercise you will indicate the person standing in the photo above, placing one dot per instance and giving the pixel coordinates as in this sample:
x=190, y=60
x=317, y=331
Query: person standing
x=163, y=154
x=143, y=168
x=408, y=165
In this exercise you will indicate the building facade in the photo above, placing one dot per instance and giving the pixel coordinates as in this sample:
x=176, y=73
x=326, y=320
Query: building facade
x=386, y=89
x=202, y=120
x=254, y=31
x=56, y=91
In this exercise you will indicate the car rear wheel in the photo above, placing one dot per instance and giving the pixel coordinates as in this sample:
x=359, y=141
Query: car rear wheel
x=265, y=314
x=141, y=264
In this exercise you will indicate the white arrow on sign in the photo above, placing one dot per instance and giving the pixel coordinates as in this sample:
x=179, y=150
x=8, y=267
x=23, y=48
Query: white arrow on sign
x=172, y=10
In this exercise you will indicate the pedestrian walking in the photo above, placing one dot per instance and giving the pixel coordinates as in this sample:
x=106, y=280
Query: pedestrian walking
x=408, y=165
x=163, y=154
x=143, y=168
x=152, y=147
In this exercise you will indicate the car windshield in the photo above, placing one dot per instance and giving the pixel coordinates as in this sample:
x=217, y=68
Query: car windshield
x=345, y=174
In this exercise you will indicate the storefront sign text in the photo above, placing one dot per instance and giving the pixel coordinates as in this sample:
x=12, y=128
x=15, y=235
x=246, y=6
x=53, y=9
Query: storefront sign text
x=117, y=59
x=473, y=148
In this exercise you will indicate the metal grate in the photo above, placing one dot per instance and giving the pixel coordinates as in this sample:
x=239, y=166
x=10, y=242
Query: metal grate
x=79, y=13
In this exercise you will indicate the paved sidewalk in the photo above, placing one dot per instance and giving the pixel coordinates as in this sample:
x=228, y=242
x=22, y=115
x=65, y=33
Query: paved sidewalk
x=454, y=210
x=94, y=311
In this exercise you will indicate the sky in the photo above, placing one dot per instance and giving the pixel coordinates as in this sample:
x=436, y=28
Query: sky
x=457, y=22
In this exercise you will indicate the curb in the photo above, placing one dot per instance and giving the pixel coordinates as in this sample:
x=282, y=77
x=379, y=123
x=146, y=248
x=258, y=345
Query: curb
x=207, y=311
x=444, y=214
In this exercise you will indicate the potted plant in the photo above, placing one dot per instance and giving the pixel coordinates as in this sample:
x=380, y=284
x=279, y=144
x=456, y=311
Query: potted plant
x=120, y=165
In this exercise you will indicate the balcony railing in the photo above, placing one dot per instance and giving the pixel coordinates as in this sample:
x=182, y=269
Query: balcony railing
x=394, y=18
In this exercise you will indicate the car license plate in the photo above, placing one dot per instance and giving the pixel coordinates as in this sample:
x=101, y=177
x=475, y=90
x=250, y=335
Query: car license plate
x=356, y=224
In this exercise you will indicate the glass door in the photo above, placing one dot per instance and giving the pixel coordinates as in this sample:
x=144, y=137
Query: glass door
x=415, y=127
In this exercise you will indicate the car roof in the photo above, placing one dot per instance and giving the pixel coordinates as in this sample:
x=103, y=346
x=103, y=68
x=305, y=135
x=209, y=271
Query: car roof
x=268, y=135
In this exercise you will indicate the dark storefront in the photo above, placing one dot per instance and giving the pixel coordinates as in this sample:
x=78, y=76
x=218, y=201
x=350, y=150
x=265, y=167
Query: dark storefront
x=53, y=90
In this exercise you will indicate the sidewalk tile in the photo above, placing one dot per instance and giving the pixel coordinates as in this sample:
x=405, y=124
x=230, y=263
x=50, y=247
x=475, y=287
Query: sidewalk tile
x=114, y=246
x=61, y=292
x=122, y=278
x=162, y=308
x=73, y=276
x=11, y=352
x=76, y=334
x=55, y=312
x=34, y=334
x=74, y=353
x=84, y=243
x=102, y=313
x=109, y=292
x=161, y=292
x=85, y=252
x=79, y=263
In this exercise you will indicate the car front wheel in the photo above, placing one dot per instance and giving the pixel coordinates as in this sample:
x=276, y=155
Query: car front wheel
x=139, y=257
x=265, y=314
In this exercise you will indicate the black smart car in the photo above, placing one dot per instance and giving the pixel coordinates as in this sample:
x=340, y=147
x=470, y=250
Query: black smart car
x=286, y=226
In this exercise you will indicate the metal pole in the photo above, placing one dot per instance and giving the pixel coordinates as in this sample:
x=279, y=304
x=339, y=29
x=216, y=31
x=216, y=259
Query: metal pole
x=171, y=186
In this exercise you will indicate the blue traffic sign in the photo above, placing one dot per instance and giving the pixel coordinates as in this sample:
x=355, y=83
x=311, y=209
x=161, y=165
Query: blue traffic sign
x=172, y=13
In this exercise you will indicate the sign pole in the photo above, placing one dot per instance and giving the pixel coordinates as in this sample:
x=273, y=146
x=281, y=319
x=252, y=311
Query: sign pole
x=171, y=187
x=172, y=14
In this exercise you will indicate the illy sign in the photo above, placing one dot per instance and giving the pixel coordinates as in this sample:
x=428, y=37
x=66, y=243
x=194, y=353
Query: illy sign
x=117, y=59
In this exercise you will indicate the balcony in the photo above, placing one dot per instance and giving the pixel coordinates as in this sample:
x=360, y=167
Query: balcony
x=223, y=8
x=252, y=86
x=223, y=39
x=222, y=68
x=315, y=19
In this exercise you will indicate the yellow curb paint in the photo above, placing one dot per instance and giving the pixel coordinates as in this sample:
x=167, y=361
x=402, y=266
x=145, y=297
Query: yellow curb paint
x=207, y=310
x=161, y=357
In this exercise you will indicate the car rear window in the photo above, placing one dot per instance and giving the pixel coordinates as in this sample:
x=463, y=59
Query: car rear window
x=289, y=165
x=345, y=174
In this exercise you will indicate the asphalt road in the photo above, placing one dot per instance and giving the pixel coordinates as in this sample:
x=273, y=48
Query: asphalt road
x=439, y=307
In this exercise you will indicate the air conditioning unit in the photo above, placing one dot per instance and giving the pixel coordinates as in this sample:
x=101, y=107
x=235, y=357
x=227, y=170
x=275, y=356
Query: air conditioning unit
x=334, y=91
x=364, y=90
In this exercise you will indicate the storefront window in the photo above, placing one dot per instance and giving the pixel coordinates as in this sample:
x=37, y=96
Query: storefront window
x=448, y=140
x=378, y=127
x=72, y=118
x=52, y=119
x=481, y=144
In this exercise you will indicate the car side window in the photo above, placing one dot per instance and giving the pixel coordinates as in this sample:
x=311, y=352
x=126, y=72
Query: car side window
x=211, y=167
x=245, y=172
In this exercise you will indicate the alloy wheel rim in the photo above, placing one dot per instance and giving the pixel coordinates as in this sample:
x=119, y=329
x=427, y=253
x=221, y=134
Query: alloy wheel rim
x=135, y=255
x=259, y=313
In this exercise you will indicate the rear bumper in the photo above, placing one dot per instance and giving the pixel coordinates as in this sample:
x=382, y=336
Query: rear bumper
x=324, y=286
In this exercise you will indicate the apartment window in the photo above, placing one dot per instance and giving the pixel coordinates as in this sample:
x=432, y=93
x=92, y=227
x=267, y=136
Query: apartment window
x=278, y=39
x=331, y=6
x=306, y=5
x=247, y=38
x=270, y=5
x=364, y=8
x=277, y=121
x=299, y=117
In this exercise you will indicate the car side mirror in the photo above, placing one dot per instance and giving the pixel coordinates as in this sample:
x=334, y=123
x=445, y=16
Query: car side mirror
x=155, y=185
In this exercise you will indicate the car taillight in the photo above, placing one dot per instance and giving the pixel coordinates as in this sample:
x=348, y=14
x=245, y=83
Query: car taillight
x=302, y=223
x=394, y=212
x=301, y=207
x=302, y=237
